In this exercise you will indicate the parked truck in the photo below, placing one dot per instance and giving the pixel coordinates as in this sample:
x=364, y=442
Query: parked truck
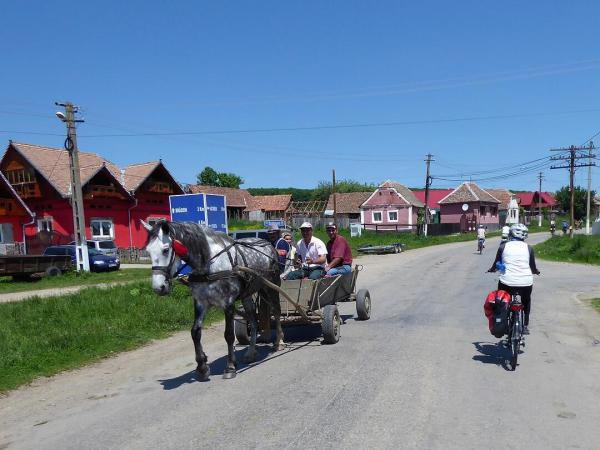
x=24, y=266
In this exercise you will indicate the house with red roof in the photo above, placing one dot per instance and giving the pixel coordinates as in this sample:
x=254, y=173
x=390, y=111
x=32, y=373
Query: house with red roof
x=470, y=206
x=391, y=207
x=433, y=202
x=268, y=207
x=113, y=199
x=239, y=201
x=14, y=216
x=532, y=201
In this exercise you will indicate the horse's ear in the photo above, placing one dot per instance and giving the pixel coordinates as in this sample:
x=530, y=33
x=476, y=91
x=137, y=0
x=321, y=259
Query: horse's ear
x=147, y=226
x=164, y=226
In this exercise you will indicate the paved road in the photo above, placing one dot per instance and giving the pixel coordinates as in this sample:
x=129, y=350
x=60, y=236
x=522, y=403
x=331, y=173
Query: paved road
x=423, y=373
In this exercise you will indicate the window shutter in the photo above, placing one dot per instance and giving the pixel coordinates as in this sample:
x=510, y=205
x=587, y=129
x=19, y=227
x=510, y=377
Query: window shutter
x=7, y=233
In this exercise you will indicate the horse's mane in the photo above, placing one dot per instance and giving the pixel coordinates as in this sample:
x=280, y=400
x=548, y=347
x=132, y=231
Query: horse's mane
x=193, y=237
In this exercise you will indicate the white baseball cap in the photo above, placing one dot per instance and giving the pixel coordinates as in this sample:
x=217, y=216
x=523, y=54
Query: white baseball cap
x=306, y=225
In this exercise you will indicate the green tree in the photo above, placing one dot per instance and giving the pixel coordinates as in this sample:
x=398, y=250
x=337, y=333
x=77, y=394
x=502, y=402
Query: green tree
x=563, y=197
x=230, y=180
x=324, y=188
x=208, y=177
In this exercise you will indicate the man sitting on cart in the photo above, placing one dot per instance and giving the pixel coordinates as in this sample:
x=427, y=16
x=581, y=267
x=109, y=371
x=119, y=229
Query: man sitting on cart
x=312, y=254
x=339, y=255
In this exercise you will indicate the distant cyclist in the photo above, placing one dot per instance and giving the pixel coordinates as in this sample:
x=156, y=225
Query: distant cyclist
x=480, y=236
x=518, y=260
x=505, y=231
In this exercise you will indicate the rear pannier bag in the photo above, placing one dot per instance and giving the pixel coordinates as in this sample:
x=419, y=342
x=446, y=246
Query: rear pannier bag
x=496, y=310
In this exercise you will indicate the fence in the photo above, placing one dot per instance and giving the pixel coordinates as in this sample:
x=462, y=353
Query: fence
x=12, y=249
x=133, y=255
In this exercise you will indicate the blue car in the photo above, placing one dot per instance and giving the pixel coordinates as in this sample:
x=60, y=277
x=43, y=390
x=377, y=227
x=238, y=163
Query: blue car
x=98, y=261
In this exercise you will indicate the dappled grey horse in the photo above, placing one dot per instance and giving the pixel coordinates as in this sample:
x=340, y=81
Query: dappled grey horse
x=216, y=279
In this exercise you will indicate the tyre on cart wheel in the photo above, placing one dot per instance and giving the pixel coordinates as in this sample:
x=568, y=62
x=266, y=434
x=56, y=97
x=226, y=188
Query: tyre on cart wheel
x=241, y=328
x=331, y=324
x=363, y=304
x=53, y=271
x=397, y=248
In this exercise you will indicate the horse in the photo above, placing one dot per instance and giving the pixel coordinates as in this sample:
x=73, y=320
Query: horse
x=216, y=280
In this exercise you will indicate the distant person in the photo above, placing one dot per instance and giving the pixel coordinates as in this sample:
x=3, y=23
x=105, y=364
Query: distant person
x=339, y=255
x=565, y=227
x=505, y=231
x=481, y=235
x=312, y=253
x=291, y=256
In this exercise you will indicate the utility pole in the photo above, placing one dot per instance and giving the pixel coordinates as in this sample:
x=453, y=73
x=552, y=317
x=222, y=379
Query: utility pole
x=427, y=184
x=540, y=177
x=571, y=157
x=81, y=249
x=587, y=214
x=334, y=199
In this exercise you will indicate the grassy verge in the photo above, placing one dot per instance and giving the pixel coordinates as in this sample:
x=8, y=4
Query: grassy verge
x=42, y=337
x=72, y=279
x=596, y=304
x=580, y=249
x=411, y=241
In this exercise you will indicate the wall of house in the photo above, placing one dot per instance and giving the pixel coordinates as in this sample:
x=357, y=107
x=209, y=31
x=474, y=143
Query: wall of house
x=452, y=213
x=150, y=206
x=407, y=216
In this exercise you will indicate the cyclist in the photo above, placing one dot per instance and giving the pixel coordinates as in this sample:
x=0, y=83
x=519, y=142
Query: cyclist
x=480, y=236
x=505, y=231
x=519, y=266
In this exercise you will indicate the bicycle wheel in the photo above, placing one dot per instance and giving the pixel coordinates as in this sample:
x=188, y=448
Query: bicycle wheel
x=515, y=341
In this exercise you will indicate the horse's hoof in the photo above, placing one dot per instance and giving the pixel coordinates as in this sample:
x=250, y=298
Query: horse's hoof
x=250, y=357
x=229, y=374
x=203, y=374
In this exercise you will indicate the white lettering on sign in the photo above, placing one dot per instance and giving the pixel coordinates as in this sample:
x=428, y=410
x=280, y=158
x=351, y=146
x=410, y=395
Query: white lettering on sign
x=213, y=208
x=199, y=208
x=179, y=210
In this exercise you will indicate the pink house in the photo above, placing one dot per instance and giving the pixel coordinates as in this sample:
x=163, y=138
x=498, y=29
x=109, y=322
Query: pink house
x=470, y=206
x=392, y=207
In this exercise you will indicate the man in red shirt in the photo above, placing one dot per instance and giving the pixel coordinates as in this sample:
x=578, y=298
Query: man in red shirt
x=339, y=255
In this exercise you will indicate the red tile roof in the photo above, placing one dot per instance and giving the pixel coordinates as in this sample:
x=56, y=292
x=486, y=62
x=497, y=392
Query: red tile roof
x=53, y=165
x=234, y=198
x=279, y=202
x=504, y=195
x=526, y=199
x=136, y=174
x=468, y=192
x=435, y=195
x=405, y=192
x=348, y=202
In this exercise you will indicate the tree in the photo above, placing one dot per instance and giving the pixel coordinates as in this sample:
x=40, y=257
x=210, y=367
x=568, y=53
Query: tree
x=324, y=188
x=230, y=180
x=563, y=197
x=210, y=177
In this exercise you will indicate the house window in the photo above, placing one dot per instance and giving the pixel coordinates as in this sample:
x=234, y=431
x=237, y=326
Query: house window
x=102, y=228
x=45, y=224
x=377, y=217
x=482, y=210
x=392, y=216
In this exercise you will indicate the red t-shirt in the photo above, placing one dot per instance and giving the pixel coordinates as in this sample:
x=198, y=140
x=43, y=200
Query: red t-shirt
x=339, y=248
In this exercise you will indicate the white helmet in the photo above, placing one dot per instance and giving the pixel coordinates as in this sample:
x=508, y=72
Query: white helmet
x=519, y=231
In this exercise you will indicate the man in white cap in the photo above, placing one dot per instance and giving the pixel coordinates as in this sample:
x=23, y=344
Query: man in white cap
x=312, y=253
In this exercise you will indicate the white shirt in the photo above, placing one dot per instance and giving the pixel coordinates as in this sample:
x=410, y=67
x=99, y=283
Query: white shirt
x=315, y=248
x=480, y=233
x=516, y=259
x=505, y=230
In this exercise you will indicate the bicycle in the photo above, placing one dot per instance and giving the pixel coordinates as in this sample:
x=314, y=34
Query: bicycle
x=515, y=328
x=480, y=242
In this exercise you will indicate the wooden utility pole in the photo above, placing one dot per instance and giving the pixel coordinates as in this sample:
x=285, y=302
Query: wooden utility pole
x=540, y=177
x=81, y=249
x=334, y=199
x=427, y=184
x=587, y=214
x=571, y=157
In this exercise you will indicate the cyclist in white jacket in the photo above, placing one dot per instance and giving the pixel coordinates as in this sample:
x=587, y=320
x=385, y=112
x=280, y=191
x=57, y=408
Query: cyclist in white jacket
x=519, y=266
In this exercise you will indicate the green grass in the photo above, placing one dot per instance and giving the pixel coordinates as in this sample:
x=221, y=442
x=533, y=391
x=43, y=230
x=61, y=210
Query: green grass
x=580, y=249
x=596, y=303
x=238, y=224
x=41, y=337
x=72, y=279
x=410, y=240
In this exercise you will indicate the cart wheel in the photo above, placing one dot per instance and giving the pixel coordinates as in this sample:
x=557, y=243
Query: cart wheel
x=397, y=249
x=53, y=271
x=331, y=324
x=241, y=328
x=363, y=304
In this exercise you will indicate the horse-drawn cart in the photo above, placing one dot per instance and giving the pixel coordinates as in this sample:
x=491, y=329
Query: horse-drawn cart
x=315, y=301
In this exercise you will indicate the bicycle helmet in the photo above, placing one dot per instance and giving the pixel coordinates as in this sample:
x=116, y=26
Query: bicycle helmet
x=518, y=231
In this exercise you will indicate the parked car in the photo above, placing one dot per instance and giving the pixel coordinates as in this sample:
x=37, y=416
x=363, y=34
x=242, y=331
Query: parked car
x=106, y=247
x=249, y=234
x=98, y=261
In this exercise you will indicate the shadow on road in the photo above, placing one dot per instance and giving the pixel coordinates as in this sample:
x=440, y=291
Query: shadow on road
x=492, y=353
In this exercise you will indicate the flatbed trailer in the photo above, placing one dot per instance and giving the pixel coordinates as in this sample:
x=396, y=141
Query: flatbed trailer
x=23, y=266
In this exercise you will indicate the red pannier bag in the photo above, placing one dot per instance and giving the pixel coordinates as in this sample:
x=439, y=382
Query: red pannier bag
x=496, y=310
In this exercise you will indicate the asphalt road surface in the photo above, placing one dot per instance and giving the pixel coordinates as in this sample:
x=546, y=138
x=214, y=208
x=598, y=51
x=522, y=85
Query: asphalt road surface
x=424, y=373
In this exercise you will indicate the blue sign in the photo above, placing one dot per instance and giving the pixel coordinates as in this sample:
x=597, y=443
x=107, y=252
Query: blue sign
x=204, y=209
x=279, y=222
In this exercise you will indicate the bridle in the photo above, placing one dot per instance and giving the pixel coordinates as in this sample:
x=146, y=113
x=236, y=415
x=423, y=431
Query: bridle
x=176, y=248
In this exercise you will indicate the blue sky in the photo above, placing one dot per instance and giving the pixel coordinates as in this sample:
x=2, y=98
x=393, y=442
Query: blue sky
x=478, y=84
